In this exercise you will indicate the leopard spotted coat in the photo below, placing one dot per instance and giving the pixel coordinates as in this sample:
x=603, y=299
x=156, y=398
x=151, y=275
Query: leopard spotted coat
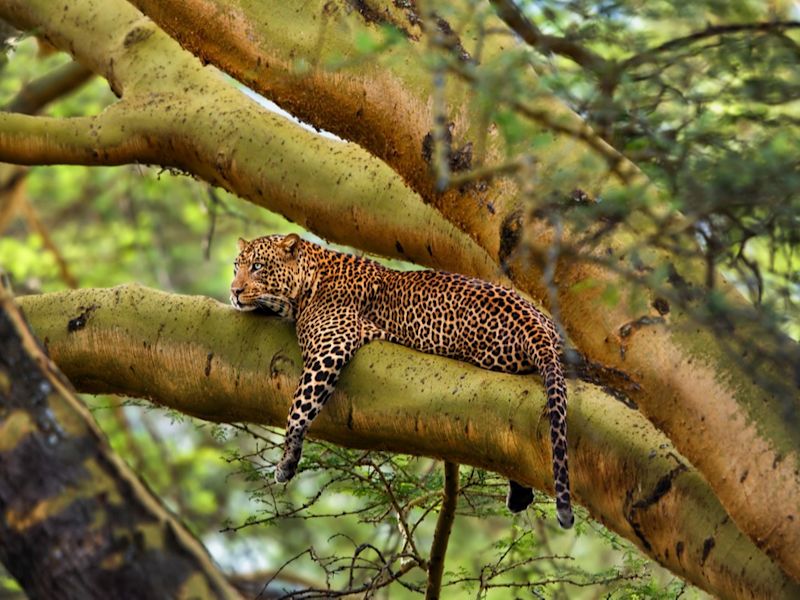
x=341, y=302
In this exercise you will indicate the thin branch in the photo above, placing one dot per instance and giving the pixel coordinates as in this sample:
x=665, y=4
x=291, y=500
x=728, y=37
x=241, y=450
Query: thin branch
x=407, y=535
x=39, y=93
x=512, y=16
x=442, y=533
x=97, y=140
x=650, y=54
x=617, y=164
x=36, y=224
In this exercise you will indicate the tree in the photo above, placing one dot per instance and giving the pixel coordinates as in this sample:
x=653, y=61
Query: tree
x=442, y=176
x=83, y=526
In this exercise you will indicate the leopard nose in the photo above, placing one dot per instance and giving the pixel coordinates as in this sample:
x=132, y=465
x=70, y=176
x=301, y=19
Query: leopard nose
x=236, y=291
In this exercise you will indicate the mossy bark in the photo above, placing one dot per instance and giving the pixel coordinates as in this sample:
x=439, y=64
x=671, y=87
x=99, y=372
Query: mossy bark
x=202, y=358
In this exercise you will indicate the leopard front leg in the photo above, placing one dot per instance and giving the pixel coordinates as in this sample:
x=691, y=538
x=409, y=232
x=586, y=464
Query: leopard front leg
x=316, y=386
x=327, y=344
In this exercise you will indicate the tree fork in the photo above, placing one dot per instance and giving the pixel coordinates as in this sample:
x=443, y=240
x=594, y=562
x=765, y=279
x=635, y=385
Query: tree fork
x=731, y=429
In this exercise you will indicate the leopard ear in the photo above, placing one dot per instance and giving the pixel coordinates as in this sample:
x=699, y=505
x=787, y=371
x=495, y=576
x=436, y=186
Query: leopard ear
x=242, y=243
x=290, y=243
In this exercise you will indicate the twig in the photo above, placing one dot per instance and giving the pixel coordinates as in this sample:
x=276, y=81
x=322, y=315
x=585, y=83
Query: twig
x=442, y=533
x=510, y=13
x=274, y=576
x=408, y=537
x=650, y=54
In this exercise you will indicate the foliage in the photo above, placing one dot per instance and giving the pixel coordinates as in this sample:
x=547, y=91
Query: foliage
x=703, y=97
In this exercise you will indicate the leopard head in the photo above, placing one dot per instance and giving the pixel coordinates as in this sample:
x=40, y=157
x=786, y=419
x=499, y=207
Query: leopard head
x=267, y=274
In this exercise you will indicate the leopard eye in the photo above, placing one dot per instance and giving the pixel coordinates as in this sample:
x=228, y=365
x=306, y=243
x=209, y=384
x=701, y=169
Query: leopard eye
x=256, y=267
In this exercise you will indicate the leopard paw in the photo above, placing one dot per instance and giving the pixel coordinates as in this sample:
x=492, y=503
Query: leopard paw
x=285, y=471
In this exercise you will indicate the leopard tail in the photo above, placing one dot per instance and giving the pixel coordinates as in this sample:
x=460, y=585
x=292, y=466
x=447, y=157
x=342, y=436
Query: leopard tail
x=548, y=362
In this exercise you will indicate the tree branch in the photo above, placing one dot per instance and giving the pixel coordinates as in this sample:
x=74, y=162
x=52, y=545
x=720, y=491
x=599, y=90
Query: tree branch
x=76, y=522
x=186, y=353
x=100, y=140
x=441, y=535
x=700, y=397
x=650, y=54
x=39, y=93
x=516, y=20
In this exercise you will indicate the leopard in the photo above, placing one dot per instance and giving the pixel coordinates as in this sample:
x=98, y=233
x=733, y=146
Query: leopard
x=340, y=302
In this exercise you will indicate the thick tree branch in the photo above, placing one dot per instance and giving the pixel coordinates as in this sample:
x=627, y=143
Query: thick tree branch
x=202, y=358
x=75, y=522
x=732, y=429
x=101, y=140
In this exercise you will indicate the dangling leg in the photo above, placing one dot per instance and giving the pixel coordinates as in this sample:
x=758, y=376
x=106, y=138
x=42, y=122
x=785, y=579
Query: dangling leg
x=328, y=345
x=316, y=387
x=519, y=497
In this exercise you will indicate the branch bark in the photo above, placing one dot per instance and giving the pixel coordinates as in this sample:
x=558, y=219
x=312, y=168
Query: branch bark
x=75, y=522
x=39, y=93
x=202, y=358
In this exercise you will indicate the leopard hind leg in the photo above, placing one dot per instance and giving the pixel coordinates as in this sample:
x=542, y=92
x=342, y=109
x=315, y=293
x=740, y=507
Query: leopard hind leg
x=519, y=497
